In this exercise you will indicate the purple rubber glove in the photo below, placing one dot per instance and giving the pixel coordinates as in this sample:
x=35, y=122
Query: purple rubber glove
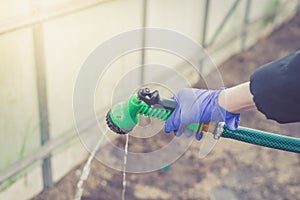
x=198, y=106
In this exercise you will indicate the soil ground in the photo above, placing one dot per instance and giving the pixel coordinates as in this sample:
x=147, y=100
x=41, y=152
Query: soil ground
x=233, y=170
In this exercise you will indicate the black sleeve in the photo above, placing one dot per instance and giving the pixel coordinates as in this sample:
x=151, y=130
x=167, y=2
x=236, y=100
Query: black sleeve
x=276, y=89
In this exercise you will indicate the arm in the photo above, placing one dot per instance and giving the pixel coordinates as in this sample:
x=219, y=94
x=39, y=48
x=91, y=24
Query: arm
x=273, y=89
x=237, y=99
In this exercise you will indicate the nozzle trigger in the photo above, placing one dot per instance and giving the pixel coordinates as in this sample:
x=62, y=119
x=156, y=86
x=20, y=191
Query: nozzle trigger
x=153, y=98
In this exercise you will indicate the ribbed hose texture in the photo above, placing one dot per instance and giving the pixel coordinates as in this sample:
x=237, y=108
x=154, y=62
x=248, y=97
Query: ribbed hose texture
x=263, y=139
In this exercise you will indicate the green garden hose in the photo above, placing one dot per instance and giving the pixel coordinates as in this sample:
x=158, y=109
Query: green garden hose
x=262, y=138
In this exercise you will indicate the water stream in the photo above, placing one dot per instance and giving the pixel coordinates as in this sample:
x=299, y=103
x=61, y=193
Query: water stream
x=124, y=168
x=86, y=170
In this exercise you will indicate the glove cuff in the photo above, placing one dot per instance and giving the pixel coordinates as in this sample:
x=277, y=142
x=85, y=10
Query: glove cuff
x=232, y=120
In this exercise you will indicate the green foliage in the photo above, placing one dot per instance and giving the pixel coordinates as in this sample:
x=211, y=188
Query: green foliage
x=8, y=183
x=28, y=130
x=271, y=8
x=165, y=168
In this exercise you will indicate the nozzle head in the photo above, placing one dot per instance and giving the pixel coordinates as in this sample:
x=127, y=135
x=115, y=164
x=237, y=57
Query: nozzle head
x=113, y=126
x=123, y=117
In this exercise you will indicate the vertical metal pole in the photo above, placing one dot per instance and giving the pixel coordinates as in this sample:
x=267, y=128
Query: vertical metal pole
x=38, y=39
x=245, y=24
x=224, y=21
x=144, y=24
x=204, y=27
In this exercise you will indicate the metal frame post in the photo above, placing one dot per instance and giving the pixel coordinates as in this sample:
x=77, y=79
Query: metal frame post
x=245, y=24
x=40, y=65
x=144, y=24
x=204, y=28
x=224, y=21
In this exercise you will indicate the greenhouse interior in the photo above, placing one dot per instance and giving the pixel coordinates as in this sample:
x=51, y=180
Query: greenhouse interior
x=149, y=99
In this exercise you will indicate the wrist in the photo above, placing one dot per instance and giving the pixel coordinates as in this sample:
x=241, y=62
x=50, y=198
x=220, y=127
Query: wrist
x=236, y=99
x=220, y=114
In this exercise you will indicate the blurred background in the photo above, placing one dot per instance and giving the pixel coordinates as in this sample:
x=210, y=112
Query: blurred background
x=43, y=44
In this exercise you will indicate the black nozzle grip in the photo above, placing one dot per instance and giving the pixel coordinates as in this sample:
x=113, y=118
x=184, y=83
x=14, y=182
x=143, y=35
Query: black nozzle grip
x=150, y=98
x=153, y=98
x=169, y=104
